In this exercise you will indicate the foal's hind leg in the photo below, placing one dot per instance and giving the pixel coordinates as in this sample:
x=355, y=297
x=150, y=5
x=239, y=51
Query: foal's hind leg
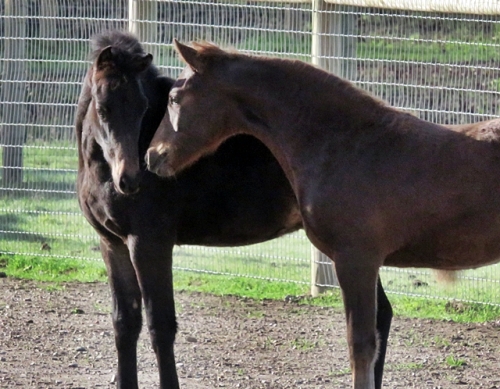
x=358, y=277
x=127, y=319
x=152, y=258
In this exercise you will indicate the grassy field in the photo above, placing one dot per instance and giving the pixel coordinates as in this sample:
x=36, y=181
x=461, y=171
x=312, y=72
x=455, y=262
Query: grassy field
x=44, y=236
x=55, y=229
x=56, y=272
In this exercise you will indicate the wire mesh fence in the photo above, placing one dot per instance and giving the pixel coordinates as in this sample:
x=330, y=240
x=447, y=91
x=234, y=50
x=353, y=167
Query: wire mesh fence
x=442, y=67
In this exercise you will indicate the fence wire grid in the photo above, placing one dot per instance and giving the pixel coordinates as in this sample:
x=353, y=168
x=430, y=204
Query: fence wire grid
x=442, y=67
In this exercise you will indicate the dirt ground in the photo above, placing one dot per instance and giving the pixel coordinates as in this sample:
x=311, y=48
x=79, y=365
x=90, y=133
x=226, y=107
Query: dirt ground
x=62, y=338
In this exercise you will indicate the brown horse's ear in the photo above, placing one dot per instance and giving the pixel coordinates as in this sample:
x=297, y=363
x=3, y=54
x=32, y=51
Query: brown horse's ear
x=143, y=62
x=190, y=56
x=105, y=58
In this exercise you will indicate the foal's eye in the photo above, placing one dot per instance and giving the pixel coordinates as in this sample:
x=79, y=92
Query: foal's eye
x=103, y=112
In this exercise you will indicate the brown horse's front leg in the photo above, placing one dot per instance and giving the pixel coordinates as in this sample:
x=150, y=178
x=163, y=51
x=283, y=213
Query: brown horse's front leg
x=152, y=258
x=127, y=319
x=358, y=281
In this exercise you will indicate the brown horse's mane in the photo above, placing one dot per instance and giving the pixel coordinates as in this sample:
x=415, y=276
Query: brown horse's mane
x=211, y=50
x=344, y=91
x=347, y=96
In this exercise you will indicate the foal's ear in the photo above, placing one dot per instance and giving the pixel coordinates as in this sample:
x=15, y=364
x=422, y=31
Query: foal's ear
x=190, y=56
x=105, y=58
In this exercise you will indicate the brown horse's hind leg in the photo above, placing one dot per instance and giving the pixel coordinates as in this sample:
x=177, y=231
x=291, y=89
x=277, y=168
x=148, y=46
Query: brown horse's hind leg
x=127, y=319
x=358, y=281
x=152, y=258
x=384, y=318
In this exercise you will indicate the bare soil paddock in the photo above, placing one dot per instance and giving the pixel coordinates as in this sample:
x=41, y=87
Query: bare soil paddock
x=63, y=339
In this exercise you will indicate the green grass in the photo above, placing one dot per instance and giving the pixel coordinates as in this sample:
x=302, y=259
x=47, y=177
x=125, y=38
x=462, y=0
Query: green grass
x=421, y=50
x=51, y=155
x=52, y=270
x=454, y=362
x=30, y=222
x=64, y=270
x=237, y=286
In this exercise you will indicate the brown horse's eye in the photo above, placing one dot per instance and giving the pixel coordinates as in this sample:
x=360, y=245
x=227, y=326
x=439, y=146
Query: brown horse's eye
x=173, y=99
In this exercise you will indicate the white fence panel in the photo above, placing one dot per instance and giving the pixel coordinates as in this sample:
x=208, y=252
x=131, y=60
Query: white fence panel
x=440, y=66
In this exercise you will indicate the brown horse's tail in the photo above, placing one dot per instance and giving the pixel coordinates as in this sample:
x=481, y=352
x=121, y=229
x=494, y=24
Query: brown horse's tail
x=446, y=276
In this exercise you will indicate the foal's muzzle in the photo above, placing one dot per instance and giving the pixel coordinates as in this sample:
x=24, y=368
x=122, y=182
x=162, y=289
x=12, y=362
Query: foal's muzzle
x=129, y=185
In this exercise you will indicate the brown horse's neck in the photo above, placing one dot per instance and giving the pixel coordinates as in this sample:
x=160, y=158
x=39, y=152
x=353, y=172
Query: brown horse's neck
x=287, y=104
x=309, y=97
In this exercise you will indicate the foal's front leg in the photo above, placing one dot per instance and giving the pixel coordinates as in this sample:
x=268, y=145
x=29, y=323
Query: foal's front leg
x=127, y=316
x=358, y=280
x=152, y=259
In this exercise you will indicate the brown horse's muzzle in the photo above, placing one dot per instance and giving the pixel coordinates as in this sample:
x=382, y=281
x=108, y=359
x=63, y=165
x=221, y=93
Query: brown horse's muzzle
x=156, y=159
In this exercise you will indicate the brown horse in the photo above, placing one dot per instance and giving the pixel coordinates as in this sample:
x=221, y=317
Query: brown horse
x=237, y=196
x=375, y=186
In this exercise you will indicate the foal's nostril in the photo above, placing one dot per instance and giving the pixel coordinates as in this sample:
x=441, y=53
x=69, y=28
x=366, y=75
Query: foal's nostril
x=129, y=185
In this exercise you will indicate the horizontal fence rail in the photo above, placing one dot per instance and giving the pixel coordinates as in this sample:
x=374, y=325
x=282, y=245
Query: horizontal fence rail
x=436, y=59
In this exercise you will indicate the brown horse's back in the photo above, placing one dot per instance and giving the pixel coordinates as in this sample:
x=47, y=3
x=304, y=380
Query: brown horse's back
x=436, y=196
x=488, y=130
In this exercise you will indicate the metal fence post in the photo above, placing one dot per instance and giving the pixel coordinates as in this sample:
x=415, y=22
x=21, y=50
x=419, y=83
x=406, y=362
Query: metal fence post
x=13, y=93
x=142, y=18
x=333, y=45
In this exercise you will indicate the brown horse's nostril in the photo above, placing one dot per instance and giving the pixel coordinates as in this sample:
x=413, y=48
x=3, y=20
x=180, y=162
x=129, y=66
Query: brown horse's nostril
x=129, y=185
x=156, y=161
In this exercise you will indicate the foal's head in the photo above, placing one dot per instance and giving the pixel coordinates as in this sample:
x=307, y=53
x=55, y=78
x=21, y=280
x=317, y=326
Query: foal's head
x=118, y=105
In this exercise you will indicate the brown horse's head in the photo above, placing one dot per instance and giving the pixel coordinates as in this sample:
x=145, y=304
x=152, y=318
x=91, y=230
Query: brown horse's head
x=157, y=153
x=201, y=113
x=117, y=107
